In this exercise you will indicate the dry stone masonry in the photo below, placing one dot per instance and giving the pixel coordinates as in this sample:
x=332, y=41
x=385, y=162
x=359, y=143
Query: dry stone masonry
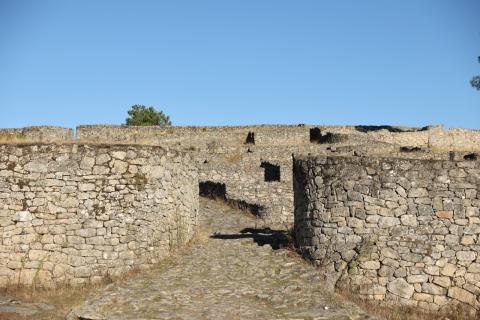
x=233, y=155
x=401, y=230
x=75, y=214
x=36, y=133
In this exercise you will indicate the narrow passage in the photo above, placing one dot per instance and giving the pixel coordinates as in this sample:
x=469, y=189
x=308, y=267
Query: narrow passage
x=237, y=271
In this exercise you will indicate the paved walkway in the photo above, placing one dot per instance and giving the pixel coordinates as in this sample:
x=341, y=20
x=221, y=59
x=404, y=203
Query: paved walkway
x=236, y=272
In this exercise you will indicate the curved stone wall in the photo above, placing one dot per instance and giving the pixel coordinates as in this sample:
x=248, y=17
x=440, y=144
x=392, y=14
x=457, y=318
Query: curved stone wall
x=77, y=213
x=393, y=229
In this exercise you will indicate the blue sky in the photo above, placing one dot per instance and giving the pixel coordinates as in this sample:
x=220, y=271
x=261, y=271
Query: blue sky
x=223, y=62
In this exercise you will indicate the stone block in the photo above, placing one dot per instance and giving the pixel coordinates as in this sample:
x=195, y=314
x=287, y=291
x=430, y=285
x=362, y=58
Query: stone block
x=474, y=268
x=86, y=233
x=387, y=222
x=409, y=220
x=433, y=289
x=448, y=270
x=401, y=288
x=82, y=272
x=462, y=295
x=444, y=214
x=418, y=278
x=466, y=255
x=22, y=216
x=417, y=193
x=87, y=163
x=442, y=281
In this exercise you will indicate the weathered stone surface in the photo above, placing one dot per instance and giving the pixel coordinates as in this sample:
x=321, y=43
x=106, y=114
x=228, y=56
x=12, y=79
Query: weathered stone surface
x=429, y=246
x=63, y=228
x=419, y=278
x=87, y=163
x=386, y=222
x=418, y=193
x=22, y=216
x=401, y=288
x=409, y=220
x=462, y=295
x=466, y=255
x=444, y=214
x=388, y=188
x=370, y=265
x=433, y=289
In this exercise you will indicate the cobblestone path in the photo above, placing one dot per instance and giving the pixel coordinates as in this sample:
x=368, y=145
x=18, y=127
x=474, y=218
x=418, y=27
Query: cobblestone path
x=233, y=274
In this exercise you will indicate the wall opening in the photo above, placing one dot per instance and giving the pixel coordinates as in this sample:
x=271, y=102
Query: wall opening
x=250, y=138
x=410, y=149
x=470, y=157
x=315, y=134
x=272, y=172
x=218, y=190
x=214, y=190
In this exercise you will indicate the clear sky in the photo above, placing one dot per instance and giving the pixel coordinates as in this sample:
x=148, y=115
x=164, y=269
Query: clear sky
x=224, y=62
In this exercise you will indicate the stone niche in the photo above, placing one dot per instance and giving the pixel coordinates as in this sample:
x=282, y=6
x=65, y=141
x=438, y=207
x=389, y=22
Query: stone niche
x=400, y=230
x=75, y=214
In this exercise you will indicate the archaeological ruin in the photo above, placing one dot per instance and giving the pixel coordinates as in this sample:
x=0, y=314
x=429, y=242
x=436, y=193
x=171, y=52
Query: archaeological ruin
x=389, y=212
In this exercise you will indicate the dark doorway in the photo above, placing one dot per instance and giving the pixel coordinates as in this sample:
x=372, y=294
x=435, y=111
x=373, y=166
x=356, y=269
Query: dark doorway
x=470, y=157
x=315, y=134
x=213, y=190
x=272, y=172
x=250, y=138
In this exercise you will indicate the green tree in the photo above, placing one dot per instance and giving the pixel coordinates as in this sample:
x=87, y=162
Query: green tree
x=140, y=115
x=475, y=82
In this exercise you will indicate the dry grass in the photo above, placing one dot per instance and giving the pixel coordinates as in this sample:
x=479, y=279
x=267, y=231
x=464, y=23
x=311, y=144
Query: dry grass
x=28, y=142
x=387, y=311
x=12, y=138
x=65, y=298
x=201, y=235
x=233, y=158
x=62, y=299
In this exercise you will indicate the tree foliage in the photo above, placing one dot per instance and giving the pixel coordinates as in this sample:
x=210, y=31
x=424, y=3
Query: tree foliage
x=475, y=82
x=140, y=115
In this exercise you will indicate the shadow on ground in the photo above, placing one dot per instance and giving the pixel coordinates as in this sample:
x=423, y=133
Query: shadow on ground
x=277, y=239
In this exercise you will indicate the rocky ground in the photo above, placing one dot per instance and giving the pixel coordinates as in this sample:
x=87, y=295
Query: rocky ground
x=236, y=271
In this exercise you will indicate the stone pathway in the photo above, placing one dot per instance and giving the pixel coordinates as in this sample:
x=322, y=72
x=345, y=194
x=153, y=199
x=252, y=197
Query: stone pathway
x=237, y=272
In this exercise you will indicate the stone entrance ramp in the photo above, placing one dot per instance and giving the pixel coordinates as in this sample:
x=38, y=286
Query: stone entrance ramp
x=238, y=272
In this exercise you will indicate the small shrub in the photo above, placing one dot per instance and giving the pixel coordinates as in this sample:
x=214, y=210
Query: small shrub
x=140, y=115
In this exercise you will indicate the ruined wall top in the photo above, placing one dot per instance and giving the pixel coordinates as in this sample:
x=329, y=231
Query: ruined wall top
x=36, y=134
x=205, y=137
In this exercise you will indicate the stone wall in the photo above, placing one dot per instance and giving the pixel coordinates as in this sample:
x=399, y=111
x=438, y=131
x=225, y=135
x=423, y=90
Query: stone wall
x=436, y=137
x=240, y=169
x=208, y=137
x=394, y=229
x=243, y=173
x=224, y=155
x=36, y=133
x=204, y=138
x=75, y=214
